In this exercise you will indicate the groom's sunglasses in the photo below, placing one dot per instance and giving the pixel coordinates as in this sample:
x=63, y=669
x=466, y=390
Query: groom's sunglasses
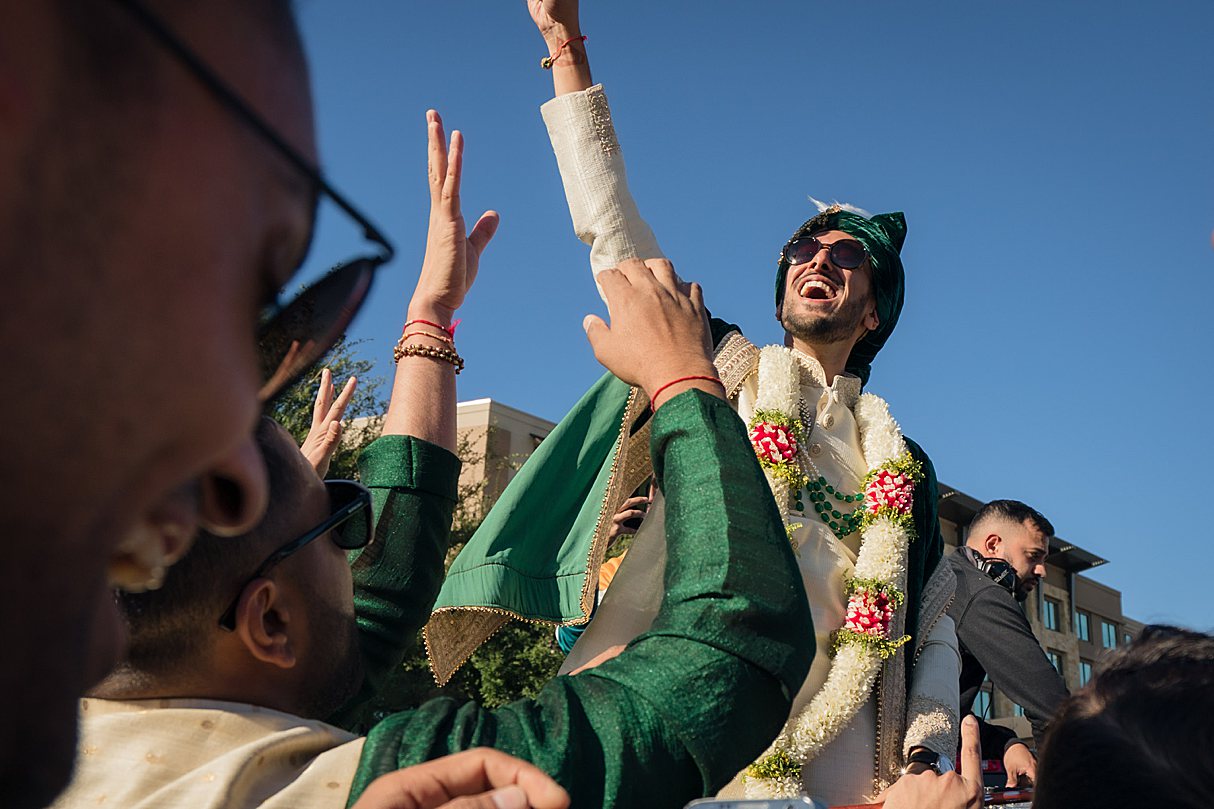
x=292, y=336
x=846, y=254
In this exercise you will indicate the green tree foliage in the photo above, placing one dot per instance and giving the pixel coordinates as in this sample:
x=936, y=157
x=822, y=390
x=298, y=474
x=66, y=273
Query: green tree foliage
x=518, y=660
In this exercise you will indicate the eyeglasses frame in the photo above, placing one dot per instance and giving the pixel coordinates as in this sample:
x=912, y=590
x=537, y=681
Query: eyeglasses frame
x=337, y=517
x=243, y=110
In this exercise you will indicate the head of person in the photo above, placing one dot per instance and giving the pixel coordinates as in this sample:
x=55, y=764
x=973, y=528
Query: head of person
x=268, y=619
x=1016, y=533
x=840, y=281
x=1139, y=734
x=143, y=227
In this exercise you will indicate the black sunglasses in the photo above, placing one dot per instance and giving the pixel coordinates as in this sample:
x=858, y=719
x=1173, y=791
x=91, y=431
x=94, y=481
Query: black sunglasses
x=846, y=254
x=295, y=335
x=348, y=525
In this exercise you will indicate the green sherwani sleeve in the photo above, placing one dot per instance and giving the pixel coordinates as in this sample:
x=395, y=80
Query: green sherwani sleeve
x=413, y=487
x=699, y=695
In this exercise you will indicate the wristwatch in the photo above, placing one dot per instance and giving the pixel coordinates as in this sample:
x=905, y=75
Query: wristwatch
x=927, y=760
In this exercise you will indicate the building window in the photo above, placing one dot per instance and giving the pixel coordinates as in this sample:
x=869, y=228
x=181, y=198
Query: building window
x=1049, y=614
x=982, y=704
x=1108, y=635
x=1083, y=625
x=1017, y=710
x=1085, y=672
x=1127, y=638
x=1055, y=660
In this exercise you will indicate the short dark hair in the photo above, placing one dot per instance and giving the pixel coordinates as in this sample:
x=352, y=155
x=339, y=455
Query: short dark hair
x=1139, y=735
x=1014, y=511
x=170, y=625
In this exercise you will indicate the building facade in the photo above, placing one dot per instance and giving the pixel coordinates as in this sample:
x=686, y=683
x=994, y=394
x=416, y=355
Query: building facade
x=493, y=440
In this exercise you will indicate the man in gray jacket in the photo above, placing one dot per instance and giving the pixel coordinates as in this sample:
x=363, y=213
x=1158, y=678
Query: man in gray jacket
x=1000, y=563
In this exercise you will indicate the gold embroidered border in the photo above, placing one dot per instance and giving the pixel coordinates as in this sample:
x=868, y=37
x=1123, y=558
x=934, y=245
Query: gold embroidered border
x=931, y=724
x=891, y=712
x=735, y=358
x=600, y=119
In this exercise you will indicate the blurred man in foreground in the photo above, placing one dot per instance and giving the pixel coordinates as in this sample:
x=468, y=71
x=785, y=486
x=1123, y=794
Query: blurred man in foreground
x=146, y=220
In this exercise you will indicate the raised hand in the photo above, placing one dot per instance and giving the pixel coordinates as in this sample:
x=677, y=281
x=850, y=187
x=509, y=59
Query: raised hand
x=325, y=433
x=556, y=17
x=452, y=254
x=658, y=333
x=474, y=779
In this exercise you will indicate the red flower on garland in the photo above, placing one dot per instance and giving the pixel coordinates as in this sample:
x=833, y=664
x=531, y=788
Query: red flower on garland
x=774, y=443
x=889, y=489
x=869, y=613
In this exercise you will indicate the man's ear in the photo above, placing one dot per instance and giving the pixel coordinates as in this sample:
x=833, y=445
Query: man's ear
x=991, y=544
x=263, y=624
x=871, y=319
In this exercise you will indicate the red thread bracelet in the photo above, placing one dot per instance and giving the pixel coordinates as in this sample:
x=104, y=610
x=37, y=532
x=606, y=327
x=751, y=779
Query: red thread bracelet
x=658, y=392
x=547, y=62
x=448, y=329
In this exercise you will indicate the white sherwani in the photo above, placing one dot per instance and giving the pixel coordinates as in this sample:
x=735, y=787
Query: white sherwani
x=605, y=216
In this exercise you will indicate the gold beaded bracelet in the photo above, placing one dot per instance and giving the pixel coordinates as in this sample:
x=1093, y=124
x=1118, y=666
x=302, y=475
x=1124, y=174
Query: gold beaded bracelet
x=444, y=354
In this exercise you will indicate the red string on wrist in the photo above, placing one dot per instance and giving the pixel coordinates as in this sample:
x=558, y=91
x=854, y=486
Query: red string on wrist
x=450, y=330
x=658, y=392
x=547, y=62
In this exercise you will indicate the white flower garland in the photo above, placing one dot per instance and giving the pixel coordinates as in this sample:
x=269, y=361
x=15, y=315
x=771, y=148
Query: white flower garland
x=874, y=591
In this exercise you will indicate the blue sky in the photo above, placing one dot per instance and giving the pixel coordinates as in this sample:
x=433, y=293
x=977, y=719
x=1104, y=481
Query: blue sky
x=1053, y=160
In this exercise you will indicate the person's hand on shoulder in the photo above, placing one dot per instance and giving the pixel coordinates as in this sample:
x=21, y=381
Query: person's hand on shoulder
x=474, y=779
x=658, y=333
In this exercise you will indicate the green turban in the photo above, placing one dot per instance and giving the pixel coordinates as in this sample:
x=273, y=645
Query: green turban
x=882, y=236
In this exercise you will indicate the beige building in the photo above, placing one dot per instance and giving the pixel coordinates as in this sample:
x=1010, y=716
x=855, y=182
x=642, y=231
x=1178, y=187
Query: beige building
x=494, y=440
x=1075, y=618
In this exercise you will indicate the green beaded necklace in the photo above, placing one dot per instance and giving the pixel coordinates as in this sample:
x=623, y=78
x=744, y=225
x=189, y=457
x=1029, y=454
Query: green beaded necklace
x=821, y=493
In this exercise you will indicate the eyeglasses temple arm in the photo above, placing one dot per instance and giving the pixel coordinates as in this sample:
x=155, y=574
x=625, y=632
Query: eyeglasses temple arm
x=228, y=96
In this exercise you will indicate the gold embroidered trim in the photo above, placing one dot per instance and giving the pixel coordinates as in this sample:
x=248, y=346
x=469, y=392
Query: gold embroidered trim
x=630, y=461
x=600, y=119
x=891, y=723
x=735, y=359
x=938, y=595
x=931, y=724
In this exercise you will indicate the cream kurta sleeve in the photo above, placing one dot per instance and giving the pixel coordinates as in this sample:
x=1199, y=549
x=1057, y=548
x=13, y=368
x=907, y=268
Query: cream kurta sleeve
x=933, y=702
x=604, y=214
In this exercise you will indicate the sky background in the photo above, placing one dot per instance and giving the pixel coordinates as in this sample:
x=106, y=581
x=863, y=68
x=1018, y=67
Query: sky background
x=1053, y=160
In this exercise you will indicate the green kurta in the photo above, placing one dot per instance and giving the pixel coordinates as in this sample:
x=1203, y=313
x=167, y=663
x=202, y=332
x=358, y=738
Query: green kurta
x=700, y=694
x=413, y=486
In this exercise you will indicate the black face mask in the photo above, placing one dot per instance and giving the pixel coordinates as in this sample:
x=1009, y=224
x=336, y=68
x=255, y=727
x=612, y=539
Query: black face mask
x=1000, y=571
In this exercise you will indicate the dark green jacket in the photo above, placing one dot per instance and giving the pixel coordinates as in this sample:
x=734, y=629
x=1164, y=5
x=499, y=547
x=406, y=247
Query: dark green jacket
x=694, y=699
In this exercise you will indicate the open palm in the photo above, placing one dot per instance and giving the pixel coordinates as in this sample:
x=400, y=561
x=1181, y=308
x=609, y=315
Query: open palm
x=452, y=254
